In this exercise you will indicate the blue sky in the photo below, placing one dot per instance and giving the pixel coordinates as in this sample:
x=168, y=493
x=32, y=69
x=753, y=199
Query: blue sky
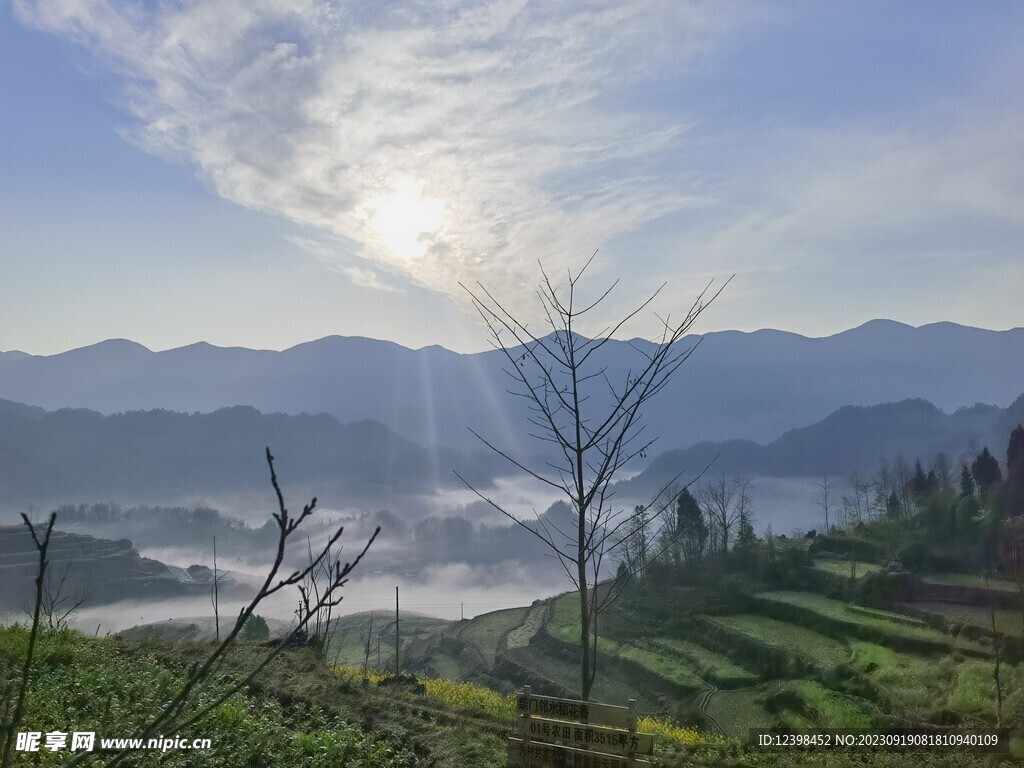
x=265, y=172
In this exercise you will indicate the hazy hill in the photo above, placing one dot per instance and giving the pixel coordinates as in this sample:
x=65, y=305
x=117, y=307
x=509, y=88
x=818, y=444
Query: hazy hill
x=106, y=571
x=852, y=438
x=71, y=455
x=750, y=386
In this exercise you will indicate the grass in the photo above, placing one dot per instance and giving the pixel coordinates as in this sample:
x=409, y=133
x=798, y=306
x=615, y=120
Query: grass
x=969, y=580
x=484, y=634
x=707, y=663
x=882, y=621
x=564, y=625
x=911, y=684
x=113, y=689
x=739, y=711
x=842, y=567
x=974, y=690
x=1007, y=621
x=822, y=651
x=468, y=697
x=348, y=643
x=828, y=709
x=666, y=667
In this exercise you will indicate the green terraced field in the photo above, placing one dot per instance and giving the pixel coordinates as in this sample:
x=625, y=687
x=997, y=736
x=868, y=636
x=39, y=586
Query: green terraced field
x=823, y=651
x=739, y=711
x=911, y=683
x=889, y=623
x=974, y=689
x=484, y=634
x=705, y=661
x=969, y=580
x=842, y=567
x=878, y=613
x=610, y=686
x=1007, y=621
x=830, y=709
x=668, y=667
x=564, y=625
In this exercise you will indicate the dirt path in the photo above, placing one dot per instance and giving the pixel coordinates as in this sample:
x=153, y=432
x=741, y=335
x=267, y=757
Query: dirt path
x=702, y=706
x=521, y=635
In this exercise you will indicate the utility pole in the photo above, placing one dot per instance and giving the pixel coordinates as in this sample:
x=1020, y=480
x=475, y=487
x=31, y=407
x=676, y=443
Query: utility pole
x=216, y=596
x=462, y=610
x=366, y=658
x=396, y=631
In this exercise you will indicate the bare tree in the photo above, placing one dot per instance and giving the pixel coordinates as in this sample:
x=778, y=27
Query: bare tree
x=562, y=381
x=1017, y=565
x=997, y=660
x=176, y=714
x=883, y=487
x=861, y=487
x=903, y=474
x=61, y=597
x=723, y=501
x=824, y=499
x=215, y=594
x=670, y=536
x=943, y=471
x=635, y=544
x=319, y=621
x=13, y=719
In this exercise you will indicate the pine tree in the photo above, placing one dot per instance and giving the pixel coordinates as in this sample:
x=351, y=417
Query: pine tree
x=986, y=471
x=746, y=539
x=1013, y=488
x=892, y=506
x=1015, y=448
x=919, y=481
x=966, y=482
x=691, y=526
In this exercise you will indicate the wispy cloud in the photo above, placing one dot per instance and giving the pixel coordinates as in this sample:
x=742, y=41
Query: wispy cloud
x=333, y=256
x=445, y=142
x=895, y=221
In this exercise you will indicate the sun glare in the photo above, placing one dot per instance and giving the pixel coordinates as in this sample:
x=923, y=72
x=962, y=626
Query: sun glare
x=402, y=218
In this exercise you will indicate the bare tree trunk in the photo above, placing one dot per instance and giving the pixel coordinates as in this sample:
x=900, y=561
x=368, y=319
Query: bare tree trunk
x=586, y=675
x=995, y=650
x=592, y=442
x=26, y=671
x=216, y=593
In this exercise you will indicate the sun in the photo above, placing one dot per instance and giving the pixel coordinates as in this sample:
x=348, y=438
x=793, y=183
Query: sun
x=402, y=218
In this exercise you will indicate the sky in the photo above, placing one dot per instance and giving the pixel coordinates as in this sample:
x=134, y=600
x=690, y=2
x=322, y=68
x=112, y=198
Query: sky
x=264, y=172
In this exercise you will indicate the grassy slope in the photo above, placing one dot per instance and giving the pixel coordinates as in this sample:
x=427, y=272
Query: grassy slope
x=113, y=688
x=299, y=708
x=652, y=649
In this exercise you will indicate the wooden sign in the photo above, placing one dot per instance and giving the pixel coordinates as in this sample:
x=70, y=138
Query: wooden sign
x=537, y=754
x=570, y=709
x=587, y=736
x=567, y=733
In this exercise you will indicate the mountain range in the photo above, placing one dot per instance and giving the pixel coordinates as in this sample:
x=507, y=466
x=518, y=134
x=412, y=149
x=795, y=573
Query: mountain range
x=852, y=439
x=75, y=455
x=736, y=385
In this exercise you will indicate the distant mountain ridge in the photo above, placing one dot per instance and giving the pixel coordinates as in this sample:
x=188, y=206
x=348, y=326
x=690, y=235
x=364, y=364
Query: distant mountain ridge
x=737, y=385
x=852, y=438
x=74, y=455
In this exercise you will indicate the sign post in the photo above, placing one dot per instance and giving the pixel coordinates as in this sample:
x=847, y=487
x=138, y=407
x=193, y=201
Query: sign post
x=565, y=733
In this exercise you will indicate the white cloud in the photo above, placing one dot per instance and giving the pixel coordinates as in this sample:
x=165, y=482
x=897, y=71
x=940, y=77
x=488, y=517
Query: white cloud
x=332, y=256
x=367, y=278
x=484, y=121
x=867, y=193
x=867, y=221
